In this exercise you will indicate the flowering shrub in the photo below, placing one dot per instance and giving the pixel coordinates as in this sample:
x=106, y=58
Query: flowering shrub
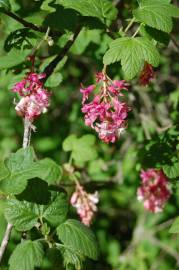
x=105, y=113
x=80, y=202
x=34, y=98
x=85, y=203
x=154, y=191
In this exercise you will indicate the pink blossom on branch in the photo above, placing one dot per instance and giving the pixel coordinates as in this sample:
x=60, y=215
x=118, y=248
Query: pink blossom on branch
x=85, y=203
x=105, y=113
x=34, y=97
x=146, y=75
x=154, y=191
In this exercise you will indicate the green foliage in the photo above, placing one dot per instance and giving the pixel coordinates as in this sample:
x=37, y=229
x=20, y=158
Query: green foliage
x=175, y=226
x=21, y=214
x=13, y=58
x=72, y=257
x=132, y=52
x=54, y=80
x=21, y=167
x=34, y=194
x=5, y=5
x=76, y=236
x=172, y=171
x=157, y=14
x=82, y=149
x=56, y=212
x=26, y=256
x=102, y=9
x=155, y=34
x=25, y=215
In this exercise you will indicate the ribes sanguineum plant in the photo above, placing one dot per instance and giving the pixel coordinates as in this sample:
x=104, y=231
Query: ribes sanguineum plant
x=106, y=113
x=154, y=191
x=74, y=41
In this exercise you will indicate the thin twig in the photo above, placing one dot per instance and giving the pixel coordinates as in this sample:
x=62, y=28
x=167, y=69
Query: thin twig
x=26, y=142
x=5, y=240
x=27, y=133
x=174, y=41
x=32, y=26
x=52, y=65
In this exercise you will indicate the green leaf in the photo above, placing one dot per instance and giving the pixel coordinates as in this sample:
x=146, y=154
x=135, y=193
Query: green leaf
x=46, y=169
x=21, y=215
x=175, y=226
x=72, y=258
x=102, y=9
x=54, y=80
x=22, y=167
x=24, y=215
x=13, y=58
x=82, y=148
x=26, y=256
x=85, y=37
x=56, y=212
x=46, y=6
x=132, y=52
x=155, y=34
x=172, y=171
x=36, y=192
x=4, y=172
x=69, y=143
x=157, y=14
x=78, y=237
x=5, y=5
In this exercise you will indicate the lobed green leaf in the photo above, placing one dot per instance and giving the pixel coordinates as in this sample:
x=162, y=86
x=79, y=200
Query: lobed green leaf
x=132, y=52
x=26, y=256
x=78, y=237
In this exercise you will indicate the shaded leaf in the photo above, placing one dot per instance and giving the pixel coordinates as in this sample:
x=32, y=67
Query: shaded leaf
x=102, y=9
x=5, y=5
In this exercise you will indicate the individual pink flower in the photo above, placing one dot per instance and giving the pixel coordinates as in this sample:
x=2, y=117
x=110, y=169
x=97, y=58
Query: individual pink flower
x=34, y=98
x=146, y=75
x=154, y=191
x=105, y=113
x=86, y=91
x=85, y=203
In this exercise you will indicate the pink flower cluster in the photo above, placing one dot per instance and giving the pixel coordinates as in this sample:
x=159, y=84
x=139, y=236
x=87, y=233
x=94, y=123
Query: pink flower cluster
x=34, y=98
x=106, y=114
x=85, y=203
x=154, y=191
x=146, y=75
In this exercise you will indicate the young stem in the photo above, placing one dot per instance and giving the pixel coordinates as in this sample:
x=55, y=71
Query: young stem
x=129, y=25
x=5, y=240
x=136, y=32
x=27, y=133
x=26, y=143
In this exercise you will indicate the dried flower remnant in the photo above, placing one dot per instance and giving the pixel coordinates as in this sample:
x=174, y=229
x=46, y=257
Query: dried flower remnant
x=154, y=191
x=85, y=203
x=146, y=75
x=34, y=97
x=106, y=114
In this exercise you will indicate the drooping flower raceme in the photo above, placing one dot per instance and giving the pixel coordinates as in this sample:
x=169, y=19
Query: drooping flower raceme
x=146, y=75
x=85, y=203
x=154, y=191
x=106, y=114
x=34, y=97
